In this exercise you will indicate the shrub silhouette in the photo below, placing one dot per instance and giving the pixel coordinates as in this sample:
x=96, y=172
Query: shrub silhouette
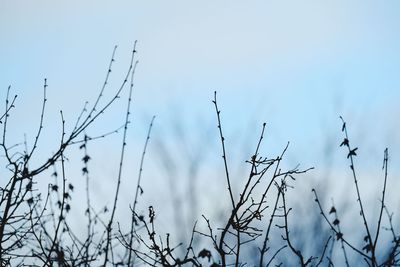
x=257, y=231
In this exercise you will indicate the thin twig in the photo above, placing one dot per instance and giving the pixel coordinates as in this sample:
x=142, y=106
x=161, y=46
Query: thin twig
x=138, y=190
x=350, y=155
x=109, y=226
x=384, y=167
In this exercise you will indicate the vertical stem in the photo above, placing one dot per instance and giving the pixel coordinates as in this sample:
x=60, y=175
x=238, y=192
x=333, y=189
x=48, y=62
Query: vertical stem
x=109, y=226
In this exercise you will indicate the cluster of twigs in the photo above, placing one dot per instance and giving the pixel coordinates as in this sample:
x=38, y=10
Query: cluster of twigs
x=245, y=224
x=372, y=254
x=256, y=231
x=33, y=226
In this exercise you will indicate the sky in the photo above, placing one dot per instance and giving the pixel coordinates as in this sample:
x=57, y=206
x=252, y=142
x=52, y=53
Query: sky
x=296, y=65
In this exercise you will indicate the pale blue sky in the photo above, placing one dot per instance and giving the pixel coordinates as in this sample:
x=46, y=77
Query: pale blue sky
x=297, y=65
x=300, y=63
